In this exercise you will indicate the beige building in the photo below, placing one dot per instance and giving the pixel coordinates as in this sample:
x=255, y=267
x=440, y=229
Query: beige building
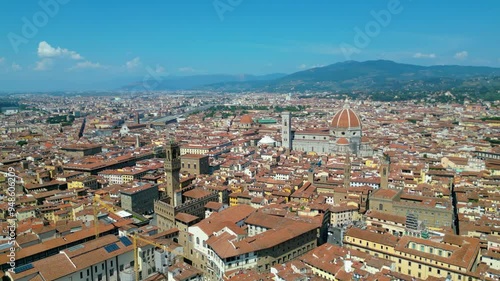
x=241, y=237
x=275, y=246
x=433, y=212
x=81, y=150
x=195, y=164
x=394, y=224
x=454, y=257
x=343, y=214
x=121, y=176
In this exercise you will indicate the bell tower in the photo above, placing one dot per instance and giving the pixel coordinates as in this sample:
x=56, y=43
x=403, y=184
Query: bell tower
x=286, y=130
x=384, y=172
x=347, y=171
x=172, y=170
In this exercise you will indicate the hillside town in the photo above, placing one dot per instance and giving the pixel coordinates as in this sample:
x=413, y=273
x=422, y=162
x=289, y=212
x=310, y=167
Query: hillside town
x=244, y=187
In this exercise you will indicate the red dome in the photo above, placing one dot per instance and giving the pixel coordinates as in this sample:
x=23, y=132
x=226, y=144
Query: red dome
x=246, y=119
x=342, y=141
x=346, y=118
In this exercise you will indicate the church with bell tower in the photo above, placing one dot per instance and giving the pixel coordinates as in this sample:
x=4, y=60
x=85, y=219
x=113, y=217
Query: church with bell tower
x=343, y=136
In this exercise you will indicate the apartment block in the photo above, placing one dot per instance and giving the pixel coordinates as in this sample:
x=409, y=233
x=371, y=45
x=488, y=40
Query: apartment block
x=451, y=256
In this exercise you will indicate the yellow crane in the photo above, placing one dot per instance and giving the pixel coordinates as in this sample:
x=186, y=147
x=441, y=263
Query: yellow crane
x=97, y=202
x=135, y=237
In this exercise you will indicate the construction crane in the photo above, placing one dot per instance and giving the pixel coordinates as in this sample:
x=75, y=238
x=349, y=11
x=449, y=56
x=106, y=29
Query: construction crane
x=97, y=202
x=135, y=237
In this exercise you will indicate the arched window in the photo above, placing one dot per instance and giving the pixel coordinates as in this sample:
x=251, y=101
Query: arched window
x=198, y=240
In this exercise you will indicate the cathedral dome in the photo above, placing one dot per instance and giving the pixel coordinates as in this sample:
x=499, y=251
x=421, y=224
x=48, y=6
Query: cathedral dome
x=246, y=119
x=346, y=118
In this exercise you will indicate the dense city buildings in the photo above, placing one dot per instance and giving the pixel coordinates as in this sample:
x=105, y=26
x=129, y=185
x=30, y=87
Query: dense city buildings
x=249, y=186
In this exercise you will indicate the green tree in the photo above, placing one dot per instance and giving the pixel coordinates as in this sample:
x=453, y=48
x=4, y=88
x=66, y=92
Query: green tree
x=21, y=143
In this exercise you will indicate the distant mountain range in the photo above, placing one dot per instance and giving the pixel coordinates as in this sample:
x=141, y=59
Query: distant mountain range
x=349, y=76
x=196, y=81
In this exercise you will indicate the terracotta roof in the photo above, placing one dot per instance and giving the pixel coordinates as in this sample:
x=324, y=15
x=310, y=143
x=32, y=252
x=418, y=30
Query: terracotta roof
x=186, y=218
x=246, y=119
x=346, y=118
x=342, y=141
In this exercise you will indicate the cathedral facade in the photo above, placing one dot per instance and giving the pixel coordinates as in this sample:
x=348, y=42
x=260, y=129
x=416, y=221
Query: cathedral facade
x=344, y=136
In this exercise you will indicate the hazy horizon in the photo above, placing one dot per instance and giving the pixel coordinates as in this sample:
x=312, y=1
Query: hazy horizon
x=76, y=45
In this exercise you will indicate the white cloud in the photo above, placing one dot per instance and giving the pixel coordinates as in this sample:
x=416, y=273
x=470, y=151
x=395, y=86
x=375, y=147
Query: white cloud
x=159, y=69
x=186, y=69
x=47, y=51
x=134, y=63
x=424, y=56
x=305, y=66
x=86, y=65
x=44, y=64
x=16, y=67
x=461, y=55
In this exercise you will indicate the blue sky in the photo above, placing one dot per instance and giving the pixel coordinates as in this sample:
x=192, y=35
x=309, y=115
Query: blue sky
x=77, y=44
